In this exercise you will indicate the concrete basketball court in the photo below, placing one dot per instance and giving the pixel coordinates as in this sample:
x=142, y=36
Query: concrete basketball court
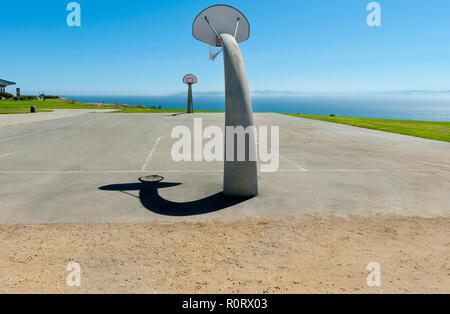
x=86, y=169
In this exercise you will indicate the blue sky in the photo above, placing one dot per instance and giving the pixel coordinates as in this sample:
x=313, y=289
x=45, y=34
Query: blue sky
x=145, y=47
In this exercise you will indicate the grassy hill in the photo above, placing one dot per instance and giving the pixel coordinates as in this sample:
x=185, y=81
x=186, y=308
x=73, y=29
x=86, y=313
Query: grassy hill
x=426, y=129
x=50, y=104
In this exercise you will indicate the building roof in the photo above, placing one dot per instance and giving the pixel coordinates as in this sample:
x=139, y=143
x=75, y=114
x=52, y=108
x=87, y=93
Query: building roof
x=6, y=83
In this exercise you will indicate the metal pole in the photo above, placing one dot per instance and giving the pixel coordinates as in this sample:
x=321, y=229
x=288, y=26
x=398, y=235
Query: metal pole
x=219, y=39
x=190, y=102
x=236, y=29
x=240, y=177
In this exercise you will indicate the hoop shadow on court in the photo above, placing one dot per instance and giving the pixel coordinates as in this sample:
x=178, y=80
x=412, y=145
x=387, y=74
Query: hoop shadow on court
x=176, y=114
x=150, y=198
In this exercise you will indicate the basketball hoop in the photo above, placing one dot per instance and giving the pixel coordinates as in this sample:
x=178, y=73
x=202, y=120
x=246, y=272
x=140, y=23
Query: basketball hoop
x=217, y=20
x=190, y=79
x=224, y=27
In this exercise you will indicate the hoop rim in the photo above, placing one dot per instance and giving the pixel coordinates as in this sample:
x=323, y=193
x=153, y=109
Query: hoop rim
x=192, y=76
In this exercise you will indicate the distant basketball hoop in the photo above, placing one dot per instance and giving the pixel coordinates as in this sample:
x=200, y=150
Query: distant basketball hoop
x=190, y=79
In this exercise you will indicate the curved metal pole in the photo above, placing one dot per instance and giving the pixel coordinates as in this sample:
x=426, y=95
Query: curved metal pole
x=240, y=177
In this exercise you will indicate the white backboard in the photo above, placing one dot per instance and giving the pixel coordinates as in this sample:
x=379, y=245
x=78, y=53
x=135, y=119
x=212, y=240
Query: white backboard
x=190, y=79
x=223, y=19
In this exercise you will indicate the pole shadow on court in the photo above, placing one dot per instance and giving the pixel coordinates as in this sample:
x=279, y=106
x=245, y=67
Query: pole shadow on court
x=148, y=195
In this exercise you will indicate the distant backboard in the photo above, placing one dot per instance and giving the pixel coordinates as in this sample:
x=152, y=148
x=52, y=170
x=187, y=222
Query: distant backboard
x=190, y=79
x=223, y=19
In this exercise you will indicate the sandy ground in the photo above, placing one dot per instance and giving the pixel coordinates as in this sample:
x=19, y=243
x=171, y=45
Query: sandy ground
x=307, y=254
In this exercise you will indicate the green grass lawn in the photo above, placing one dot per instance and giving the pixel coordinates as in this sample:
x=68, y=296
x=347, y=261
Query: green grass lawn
x=49, y=104
x=22, y=111
x=68, y=104
x=430, y=130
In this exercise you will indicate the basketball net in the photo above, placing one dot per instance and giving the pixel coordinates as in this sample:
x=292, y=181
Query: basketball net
x=214, y=52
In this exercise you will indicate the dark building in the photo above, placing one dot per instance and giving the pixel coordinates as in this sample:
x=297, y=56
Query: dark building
x=3, y=85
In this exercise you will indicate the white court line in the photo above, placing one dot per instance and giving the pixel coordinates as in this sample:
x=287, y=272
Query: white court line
x=50, y=130
x=150, y=154
x=28, y=149
x=69, y=172
x=20, y=136
x=204, y=171
x=282, y=157
x=298, y=170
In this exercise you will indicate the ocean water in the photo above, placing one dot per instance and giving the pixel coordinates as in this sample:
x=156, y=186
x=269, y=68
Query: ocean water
x=399, y=107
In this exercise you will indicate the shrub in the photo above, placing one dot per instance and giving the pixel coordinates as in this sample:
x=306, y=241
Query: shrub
x=44, y=97
x=5, y=95
x=51, y=97
x=23, y=97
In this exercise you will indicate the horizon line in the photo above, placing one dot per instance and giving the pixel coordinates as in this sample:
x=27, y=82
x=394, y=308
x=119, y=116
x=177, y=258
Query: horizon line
x=286, y=93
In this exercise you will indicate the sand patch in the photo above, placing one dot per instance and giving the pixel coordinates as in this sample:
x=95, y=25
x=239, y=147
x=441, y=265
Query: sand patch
x=300, y=255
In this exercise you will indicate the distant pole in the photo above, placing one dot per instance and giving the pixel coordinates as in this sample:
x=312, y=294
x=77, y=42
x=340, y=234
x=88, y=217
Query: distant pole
x=190, y=108
x=189, y=80
x=18, y=96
